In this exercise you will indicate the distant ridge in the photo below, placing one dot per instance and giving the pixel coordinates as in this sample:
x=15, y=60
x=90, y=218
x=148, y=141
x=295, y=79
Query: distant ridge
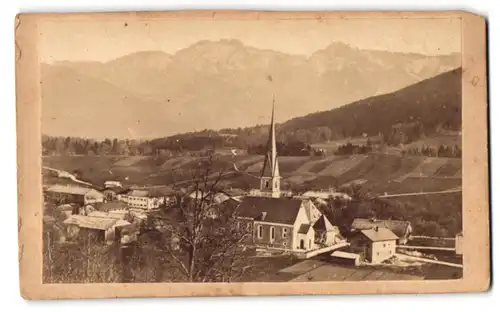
x=158, y=94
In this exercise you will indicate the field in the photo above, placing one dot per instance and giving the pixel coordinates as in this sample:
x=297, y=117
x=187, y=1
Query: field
x=381, y=173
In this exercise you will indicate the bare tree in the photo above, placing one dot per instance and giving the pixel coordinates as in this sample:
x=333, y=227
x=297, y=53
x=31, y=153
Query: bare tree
x=203, y=237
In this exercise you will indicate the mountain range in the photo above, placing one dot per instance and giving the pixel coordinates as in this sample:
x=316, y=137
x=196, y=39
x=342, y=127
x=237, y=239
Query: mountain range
x=218, y=84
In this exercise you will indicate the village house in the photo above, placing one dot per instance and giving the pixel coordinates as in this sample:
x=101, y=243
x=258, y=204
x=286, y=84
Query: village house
x=149, y=199
x=108, y=184
x=99, y=228
x=235, y=193
x=402, y=229
x=66, y=210
x=74, y=194
x=104, y=207
x=325, y=195
x=113, y=192
x=374, y=245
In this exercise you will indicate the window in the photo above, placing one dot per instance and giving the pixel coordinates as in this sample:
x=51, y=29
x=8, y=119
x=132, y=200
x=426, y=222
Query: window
x=384, y=245
x=310, y=244
x=284, y=244
x=259, y=231
x=266, y=183
x=272, y=233
x=276, y=184
x=285, y=230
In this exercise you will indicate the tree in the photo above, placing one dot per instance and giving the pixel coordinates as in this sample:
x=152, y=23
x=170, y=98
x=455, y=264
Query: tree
x=86, y=262
x=204, y=238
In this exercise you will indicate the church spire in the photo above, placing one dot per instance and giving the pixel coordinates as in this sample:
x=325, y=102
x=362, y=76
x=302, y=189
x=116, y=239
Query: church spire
x=270, y=171
x=274, y=152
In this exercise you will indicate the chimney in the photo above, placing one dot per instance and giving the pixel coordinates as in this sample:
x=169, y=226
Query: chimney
x=376, y=229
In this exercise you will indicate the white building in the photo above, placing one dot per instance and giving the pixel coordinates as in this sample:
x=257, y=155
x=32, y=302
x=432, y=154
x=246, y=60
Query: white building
x=147, y=199
x=109, y=184
x=76, y=194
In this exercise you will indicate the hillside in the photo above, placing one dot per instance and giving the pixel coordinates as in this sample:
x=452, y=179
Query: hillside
x=192, y=89
x=434, y=102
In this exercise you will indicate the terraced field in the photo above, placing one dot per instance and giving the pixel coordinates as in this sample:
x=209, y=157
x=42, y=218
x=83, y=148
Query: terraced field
x=316, y=165
x=342, y=165
x=379, y=172
x=428, y=167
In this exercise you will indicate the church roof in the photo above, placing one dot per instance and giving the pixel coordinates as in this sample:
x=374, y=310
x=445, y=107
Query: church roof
x=304, y=228
x=268, y=209
x=323, y=224
x=267, y=170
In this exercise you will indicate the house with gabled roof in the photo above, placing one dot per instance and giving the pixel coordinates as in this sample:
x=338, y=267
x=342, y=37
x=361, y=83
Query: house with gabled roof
x=149, y=199
x=400, y=228
x=74, y=194
x=375, y=244
x=100, y=228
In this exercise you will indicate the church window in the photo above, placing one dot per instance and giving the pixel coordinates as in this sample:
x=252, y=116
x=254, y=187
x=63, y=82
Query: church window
x=259, y=231
x=266, y=183
x=272, y=233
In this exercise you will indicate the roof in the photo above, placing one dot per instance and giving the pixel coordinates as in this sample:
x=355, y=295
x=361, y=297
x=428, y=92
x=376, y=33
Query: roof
x=152, y=192
x=345, y=255
x=116, y=189
x=325, y=194
x=396, y=226
x=139, y=193
x=69, y=189
x=268, y=209
x=267, y=170
x=235, y=192
x=304, y=228
x=112, y=182
x=90, y=222
x=218, y=197
x=111, y=205
x=66, y=207
x=379, y=234
x=323, y=224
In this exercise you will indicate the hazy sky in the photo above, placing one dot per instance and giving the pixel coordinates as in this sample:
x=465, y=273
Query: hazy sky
x=102, y=41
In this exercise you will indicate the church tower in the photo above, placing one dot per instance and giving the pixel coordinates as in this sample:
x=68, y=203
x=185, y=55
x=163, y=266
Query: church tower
x=270, y=177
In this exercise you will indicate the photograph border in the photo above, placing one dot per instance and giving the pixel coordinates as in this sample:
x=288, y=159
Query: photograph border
x=475, y=180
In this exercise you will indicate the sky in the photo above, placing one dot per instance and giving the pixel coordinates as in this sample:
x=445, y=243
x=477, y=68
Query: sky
x=92, y=40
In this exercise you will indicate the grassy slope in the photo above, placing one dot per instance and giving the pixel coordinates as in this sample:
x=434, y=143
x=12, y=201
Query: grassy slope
x=384, y=173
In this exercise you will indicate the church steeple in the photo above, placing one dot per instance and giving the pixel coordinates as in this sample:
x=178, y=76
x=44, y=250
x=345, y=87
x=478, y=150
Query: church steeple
x=270, y=177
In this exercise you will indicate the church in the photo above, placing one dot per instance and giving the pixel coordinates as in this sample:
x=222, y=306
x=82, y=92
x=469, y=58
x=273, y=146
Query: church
x=279, y=221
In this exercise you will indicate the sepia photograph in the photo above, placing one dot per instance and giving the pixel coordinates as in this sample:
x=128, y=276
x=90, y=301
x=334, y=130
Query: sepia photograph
x=274, y=150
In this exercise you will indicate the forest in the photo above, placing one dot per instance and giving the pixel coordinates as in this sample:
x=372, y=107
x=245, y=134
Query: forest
x=426, y=220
